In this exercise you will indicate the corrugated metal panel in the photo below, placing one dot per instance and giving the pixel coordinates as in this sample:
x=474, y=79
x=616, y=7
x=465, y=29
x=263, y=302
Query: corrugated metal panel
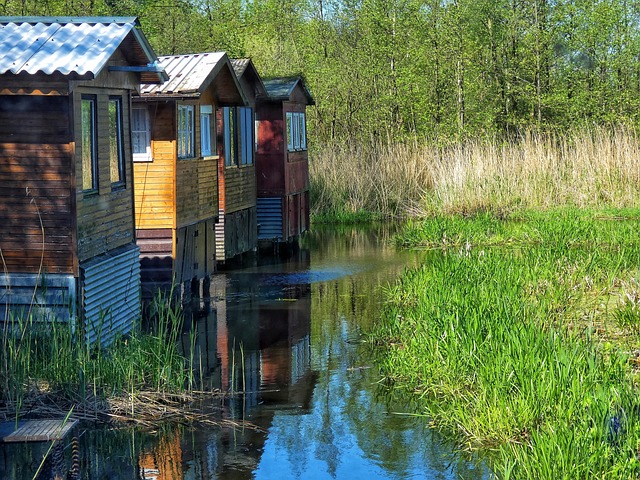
x=111, y=295
x=54, y=299
x=239, y=65
x=69, y=46
x=220, y=247
x=269, y=212
x=187, y=73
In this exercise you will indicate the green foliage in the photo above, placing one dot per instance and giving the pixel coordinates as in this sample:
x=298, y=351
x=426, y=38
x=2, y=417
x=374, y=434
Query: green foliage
x=388, y=70
x=510, y=336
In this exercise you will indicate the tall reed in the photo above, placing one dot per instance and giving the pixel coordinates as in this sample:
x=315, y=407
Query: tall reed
x=51, y=358
x=584, y=168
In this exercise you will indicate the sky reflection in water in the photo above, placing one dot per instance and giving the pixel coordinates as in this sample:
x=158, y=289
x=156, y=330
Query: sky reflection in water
x=287, y=333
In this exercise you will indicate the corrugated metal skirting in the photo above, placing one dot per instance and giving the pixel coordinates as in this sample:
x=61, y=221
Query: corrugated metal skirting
x=269, y=211
x=111, y=295
x=220, y=253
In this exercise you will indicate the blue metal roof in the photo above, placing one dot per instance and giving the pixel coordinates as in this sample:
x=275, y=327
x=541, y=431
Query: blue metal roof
x=73, y=46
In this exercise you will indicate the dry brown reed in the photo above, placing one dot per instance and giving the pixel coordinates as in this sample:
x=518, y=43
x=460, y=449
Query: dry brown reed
x=584, y=168
x=142, y=409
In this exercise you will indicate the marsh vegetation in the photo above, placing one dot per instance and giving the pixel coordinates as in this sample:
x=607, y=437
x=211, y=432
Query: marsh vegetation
x=48, y=368
x=584, y=168
x=520, y=336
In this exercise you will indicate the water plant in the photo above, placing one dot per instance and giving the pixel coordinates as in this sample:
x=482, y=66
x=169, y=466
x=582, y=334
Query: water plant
x=43, y=360
x=510, y=334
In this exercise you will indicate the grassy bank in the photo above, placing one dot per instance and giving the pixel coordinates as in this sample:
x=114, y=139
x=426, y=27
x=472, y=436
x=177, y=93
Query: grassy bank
x=585, y=168
x=48, y=368
x=521, y=338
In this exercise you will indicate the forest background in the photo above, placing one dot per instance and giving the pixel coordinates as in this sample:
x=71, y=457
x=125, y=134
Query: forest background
x=413, y=73
x=392, y=68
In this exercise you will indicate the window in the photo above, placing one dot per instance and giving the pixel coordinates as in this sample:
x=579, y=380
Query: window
x=89, y=144
x=238, y=135
x=141, y=135
x=296, y=131
x=303, y=131
x=230, y=142
x=246, y=134
x=116, y=143
x=207, y=137
x=256, y=130
x=290, y=131
x=185, y=131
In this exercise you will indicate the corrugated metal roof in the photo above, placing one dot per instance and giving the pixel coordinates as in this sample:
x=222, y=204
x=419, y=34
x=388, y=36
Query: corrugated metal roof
x=282, y=88
x=240, y=65
x=188, y=74
x=69, y=46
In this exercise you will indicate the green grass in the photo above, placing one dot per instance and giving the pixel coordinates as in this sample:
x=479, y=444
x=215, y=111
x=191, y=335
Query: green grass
x=518, y=335
x=346, y=217
x=52, y=359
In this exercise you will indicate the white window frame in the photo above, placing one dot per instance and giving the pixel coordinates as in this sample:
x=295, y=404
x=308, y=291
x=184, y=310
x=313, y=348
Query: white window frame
x=207, y=131
x=303, y=131
x=296, y=131
x=185, y=131
x=256, y=130
x=141, y=135
x=289, y=131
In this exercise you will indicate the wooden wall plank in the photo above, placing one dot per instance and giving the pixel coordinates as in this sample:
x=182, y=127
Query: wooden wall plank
x=36, y=185
x=154, y=190
x=104, y=220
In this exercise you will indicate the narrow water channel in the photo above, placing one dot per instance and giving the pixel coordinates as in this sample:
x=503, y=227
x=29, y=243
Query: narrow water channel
x=288, y=334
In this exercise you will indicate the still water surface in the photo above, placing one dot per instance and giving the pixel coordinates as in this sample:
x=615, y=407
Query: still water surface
x=288, y=333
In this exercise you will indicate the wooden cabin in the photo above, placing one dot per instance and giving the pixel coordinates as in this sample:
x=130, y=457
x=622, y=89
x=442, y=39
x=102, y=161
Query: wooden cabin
x=66, y=181
x=175, y=153
x=282, y=164
x=237, y=229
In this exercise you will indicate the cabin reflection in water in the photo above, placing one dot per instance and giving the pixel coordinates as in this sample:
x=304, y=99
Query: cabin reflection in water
x=252, y=339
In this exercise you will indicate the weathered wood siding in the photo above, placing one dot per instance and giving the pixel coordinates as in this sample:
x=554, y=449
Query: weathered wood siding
x=197, y=195
x=296, y=174
x=297, y=219
x=270, y=155
x=236, y=230
x=280, y=173
x=240, y=186
x=50, y=297
x=36, y=185
x=236, y=233
x=195, y=251
x=176, y=202
x=105, y=219
x=155, y=185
